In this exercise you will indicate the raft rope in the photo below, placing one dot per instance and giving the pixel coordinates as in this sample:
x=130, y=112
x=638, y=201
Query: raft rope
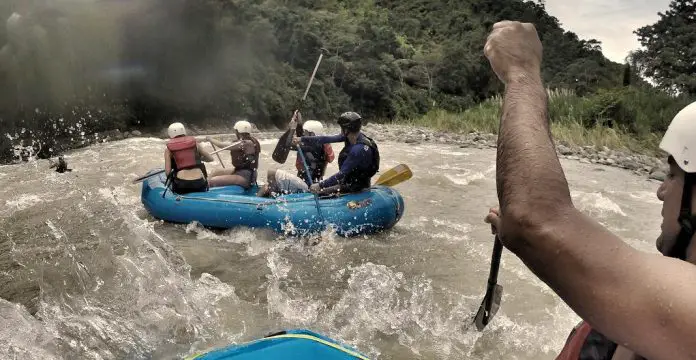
x=299, y=336
x=257, y=204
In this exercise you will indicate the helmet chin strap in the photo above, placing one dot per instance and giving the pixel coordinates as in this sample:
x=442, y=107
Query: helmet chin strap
x=686, y=220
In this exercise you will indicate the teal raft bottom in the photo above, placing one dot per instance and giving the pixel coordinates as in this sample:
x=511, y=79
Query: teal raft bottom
x=290, y=344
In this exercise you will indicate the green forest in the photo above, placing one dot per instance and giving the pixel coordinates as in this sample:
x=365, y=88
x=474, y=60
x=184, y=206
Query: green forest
x=129, y=64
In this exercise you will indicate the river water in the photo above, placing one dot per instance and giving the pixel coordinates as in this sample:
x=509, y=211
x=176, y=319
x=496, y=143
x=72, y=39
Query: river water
x=101, y=279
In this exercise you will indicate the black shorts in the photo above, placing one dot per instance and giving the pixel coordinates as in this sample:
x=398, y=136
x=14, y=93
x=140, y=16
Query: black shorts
x=248, y=175
x=182, y=187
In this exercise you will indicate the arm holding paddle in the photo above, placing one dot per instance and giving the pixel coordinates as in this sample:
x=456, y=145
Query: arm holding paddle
x=358, y=155
x=167, y=162
x=217, y=143
x=589, y=267
x=319, y=139
x=205, y=155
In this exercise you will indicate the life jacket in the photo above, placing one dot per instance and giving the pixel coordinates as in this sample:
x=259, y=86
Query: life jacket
x=359, y=178
x=185, y=155
x=585, y=343
x=247, y=157
x=316, y=158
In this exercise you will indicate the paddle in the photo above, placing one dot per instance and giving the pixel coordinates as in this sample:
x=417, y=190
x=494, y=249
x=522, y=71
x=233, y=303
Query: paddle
x=282, y=149
x=218, y=155
x=225, y=148
x=395, y=175
x=494, y=292
x=309, y=179
x=137, y=180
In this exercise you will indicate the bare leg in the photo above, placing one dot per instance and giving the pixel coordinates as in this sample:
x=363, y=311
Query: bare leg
x=265, y=190
x=224, y=180
x=220, y=172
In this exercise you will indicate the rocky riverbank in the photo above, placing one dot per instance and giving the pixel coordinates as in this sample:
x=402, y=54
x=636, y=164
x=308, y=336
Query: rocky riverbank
x=652, y=167
x=644, y=165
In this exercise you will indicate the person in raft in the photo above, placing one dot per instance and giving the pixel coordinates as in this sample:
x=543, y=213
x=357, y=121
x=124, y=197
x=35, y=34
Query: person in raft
x=245, y=159
x=280, y=182
x=357, y=162
x=317, y=156
x=183, y=161
x=640, y=301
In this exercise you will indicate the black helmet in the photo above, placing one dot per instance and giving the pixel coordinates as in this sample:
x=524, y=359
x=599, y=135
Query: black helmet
x=350, y=121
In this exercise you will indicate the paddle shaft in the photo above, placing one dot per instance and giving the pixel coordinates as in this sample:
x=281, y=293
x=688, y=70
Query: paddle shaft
x=147, y=176
x=218, y=155
x=304, y=96
x=311, y=79
x=282, y=149
x=225, y=148
x=309, y=178
x=493, y=277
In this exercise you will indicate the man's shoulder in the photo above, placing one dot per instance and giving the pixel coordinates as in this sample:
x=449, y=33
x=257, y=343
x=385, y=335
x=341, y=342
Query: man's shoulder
x=360, y=149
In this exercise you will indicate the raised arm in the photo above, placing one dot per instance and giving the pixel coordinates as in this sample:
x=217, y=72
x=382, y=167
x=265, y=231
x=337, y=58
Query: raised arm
x=323, y=139
x=205, y=155
x=217, y=143
x=167, y=161
x=637, y=299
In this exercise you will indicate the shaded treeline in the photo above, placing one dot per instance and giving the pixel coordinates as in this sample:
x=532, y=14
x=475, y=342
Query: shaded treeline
x=78, y=66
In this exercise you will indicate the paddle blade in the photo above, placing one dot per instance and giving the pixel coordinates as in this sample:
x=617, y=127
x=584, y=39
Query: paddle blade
x=489, y=307
x=395, y=175
x=137, y=180
x=280, y=153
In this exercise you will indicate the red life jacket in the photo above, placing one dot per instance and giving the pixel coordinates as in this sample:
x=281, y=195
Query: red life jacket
x=185, y=154
x=573, y=346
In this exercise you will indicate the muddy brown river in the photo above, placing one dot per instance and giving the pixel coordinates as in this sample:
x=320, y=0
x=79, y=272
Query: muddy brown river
x=86, y=273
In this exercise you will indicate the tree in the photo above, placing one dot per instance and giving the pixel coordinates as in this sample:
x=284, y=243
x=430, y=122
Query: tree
x=627, y=75
x=670, y=50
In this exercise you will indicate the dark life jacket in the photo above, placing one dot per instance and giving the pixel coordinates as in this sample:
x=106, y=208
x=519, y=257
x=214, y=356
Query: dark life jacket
x=359, y=178
x=586, y=343
x=246, y=158
x=315, y=155
x=185, y=155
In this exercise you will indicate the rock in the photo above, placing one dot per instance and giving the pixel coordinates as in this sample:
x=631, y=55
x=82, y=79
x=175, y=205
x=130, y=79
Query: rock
x=630, y=164
x=658, y=175
x=411, y=141
x=136, y=133
x=564, y=150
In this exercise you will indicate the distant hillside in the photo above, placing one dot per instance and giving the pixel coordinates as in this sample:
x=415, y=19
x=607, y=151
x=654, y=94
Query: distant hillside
x=140, y=63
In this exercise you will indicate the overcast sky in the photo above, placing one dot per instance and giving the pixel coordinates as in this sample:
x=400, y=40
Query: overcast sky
x=610, y=21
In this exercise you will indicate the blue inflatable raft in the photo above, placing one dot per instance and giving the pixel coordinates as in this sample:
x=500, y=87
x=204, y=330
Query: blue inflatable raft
x=291, y=344
x=370, y=211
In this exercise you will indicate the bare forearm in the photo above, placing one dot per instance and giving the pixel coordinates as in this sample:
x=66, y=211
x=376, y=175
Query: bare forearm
x=205, y=155
x=529, y=176
x=218, y=143
x=615, y=287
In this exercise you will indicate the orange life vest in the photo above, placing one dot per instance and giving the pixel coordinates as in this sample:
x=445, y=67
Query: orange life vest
x=184, y=150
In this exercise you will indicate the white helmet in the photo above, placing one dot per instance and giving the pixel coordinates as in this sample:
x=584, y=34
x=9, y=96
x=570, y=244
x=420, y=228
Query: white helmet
x=243, y=127
x=678, y=140
x=314, y=126
x=176, y=129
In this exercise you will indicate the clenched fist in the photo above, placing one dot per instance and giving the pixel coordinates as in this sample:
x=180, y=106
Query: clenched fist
x=514, y=50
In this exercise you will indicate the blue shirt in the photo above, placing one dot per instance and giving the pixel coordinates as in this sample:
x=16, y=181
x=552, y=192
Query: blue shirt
x=359, y=156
